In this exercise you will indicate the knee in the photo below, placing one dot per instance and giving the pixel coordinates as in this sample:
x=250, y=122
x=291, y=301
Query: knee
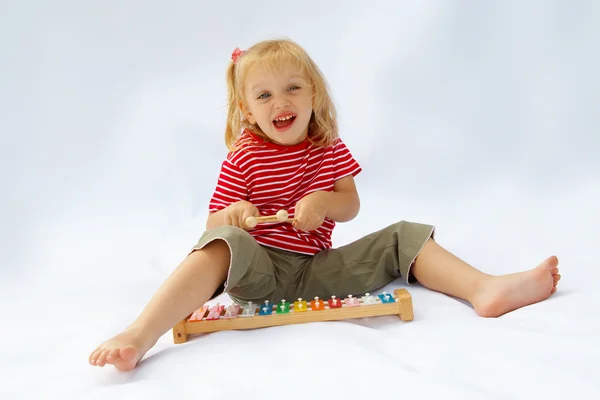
x=411, y=225
x=217, y=245
x=219, y=240
x=230, y=233
x=224, y=240
x=216, y=251
x=409, y=231
x=227, y=230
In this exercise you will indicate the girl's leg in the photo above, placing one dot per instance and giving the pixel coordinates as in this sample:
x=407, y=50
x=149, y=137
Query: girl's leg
x=491, y=296
x=190, y=286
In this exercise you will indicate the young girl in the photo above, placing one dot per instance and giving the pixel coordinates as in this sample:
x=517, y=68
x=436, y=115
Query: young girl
x=285, y=154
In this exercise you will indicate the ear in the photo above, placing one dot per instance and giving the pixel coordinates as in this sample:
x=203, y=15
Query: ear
x=247, y=114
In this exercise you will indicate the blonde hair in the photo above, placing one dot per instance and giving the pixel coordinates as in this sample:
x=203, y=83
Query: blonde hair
x=322, y=127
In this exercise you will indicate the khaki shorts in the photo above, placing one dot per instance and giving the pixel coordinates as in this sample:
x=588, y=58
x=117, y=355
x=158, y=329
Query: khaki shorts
x=258, y=273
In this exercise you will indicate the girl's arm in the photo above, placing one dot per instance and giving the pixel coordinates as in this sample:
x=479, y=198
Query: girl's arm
x=343, y=203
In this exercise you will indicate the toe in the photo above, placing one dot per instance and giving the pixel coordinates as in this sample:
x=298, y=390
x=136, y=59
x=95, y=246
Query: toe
x=94, y=356
x=112, y=356
x=554, y=271
x=553, y=290
x=552, y=262
x=556, y=278
x=102, y=358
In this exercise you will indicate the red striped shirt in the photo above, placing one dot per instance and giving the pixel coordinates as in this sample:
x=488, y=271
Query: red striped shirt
x=275, y=177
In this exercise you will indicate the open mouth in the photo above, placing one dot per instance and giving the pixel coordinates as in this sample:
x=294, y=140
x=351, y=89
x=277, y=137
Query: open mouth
x=284, y=122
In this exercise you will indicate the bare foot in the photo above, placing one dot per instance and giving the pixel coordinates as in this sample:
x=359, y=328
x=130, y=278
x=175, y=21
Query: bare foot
x=499, y=295
x=123, y=351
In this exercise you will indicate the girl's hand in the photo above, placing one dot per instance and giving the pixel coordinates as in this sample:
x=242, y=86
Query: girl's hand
x=310, y=212
x=235, y=214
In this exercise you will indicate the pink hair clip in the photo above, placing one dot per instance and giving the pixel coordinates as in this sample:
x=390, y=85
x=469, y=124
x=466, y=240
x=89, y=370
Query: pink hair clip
x=237, y=53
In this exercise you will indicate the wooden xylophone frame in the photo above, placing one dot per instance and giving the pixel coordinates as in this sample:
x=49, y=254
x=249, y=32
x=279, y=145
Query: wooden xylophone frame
x=402, y=307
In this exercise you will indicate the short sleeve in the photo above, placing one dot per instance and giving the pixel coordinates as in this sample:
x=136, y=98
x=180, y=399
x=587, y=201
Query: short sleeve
x=344, y=163
x=231, y=187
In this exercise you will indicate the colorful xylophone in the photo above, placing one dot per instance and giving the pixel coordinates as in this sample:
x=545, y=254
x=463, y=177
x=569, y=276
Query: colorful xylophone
x=217, y=317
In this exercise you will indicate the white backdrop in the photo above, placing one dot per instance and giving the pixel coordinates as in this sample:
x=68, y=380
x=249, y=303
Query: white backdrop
x=479, y=118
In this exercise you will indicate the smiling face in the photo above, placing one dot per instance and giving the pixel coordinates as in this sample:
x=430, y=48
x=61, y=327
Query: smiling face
x=279, y=102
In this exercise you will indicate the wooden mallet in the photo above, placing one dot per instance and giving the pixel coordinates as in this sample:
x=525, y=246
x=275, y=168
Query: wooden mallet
x=281, y=216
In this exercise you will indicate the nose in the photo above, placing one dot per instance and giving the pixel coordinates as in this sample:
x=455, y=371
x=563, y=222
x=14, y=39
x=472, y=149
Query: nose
x=282, y=102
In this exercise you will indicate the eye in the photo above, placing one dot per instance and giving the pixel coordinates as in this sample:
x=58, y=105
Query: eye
x=263, y=96
x=293, y=87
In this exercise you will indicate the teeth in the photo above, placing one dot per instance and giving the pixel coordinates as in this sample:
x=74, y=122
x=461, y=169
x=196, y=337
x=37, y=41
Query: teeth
x=284, y=118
